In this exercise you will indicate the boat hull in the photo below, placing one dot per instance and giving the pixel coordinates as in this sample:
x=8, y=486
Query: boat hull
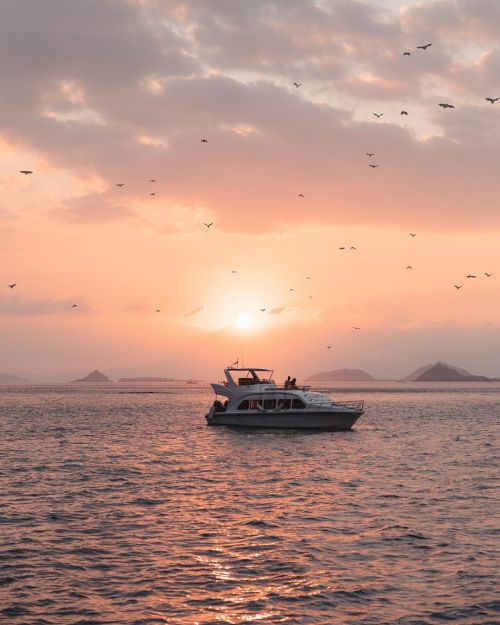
x=309, y=421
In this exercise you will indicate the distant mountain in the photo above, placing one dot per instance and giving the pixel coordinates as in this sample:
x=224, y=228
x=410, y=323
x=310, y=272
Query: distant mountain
x=413, y=377
x=341, y=375
x=444, y=373
x=7, y=378
x=58, y=378
x=94, y=376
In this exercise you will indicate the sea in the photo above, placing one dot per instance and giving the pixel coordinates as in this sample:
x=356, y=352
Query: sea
x=119, y=505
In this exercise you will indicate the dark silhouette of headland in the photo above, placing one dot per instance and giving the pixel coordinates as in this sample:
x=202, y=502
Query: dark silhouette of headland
x=442, y=372
x=93, y=376
x=341, y=375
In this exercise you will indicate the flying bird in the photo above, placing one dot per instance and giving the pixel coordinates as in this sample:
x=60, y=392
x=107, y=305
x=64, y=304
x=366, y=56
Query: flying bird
x=26, y=172
x=409, y=267
x=404, y=113
x=204, y=141
x=292, y=290
x=308, y=277
x=262, y=310
x=370, y=154
x=424, y=47
x=297, y=84
x=378, y=115
x=301, y=195
x=457, y=286
x=492, y=100
x=153, y=180
x=152, y=194
x=11, y=286
x=406, y=53
x=412, y=234
x=233, y=271
x=341, y=248
x=157, y=310
x=488, y=275
x=446, y=106
x=328, y=347
x=352, y=247
x=310, y=296
x=470, y=276
x=373, y=166
x=208, y=225
x=119, y=184
x=74, y=306
x=356, y=328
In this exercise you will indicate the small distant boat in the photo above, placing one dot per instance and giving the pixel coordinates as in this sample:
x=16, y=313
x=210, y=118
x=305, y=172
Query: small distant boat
x=253, y=399
x=191, y=381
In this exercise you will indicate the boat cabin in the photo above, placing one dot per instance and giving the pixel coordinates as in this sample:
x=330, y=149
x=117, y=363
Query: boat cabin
x=251, y=377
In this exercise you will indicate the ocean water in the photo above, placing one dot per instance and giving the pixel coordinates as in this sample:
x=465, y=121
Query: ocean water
x=118, y=505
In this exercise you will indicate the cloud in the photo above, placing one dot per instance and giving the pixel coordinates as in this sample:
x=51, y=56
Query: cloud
x=194, y=311
x=96, y=207
x=100, y=78
x=16, y=306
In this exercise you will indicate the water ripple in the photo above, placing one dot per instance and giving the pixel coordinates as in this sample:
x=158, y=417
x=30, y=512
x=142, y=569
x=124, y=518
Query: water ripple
x=119, y=506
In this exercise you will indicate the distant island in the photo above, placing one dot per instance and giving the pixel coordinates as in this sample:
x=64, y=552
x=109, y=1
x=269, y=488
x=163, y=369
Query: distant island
x=442, y=372
x=341, y=375
x=94, y=376
x=7, y=378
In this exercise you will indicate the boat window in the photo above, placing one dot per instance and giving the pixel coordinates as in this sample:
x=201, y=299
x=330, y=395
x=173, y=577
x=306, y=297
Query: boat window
x=298, y=404
x=284, y=404
x=243, y=405
x=269, y=404
x=255, y=404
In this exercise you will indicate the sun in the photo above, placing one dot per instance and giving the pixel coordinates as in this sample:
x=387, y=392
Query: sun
x=244, y=320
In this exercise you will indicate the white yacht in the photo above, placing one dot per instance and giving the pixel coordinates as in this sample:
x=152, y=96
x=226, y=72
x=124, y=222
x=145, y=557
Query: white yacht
x=253, y=399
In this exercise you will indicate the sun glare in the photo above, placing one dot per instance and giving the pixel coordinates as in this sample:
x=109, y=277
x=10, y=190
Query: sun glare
x=244, y=320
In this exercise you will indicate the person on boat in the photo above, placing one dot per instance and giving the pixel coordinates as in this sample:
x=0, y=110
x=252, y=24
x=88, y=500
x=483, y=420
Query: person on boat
x=287, y=382
x=293, y=383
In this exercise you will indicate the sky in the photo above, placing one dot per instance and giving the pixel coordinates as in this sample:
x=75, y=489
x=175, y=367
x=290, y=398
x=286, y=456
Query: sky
x=98, y=93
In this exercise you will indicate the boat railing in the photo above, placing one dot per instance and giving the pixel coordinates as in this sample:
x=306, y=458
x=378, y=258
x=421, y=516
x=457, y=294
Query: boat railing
x=338, y=404
x=324, y=405
x=271, y=383
x=351, y=405
x=288, y=388
x=358, y=405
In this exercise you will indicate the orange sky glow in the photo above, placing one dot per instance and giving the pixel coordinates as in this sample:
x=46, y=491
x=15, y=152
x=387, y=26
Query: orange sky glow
x=120, y=93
